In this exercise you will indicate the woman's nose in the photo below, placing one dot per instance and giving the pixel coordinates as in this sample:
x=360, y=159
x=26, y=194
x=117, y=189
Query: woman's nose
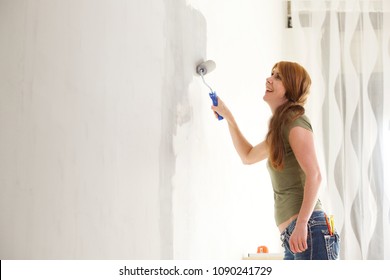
x=269, y=80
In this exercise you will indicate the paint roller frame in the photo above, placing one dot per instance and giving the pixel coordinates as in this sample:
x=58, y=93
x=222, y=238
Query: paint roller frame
x=202, y=69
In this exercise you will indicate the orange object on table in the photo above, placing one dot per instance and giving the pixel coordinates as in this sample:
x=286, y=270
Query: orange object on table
x=262, y=249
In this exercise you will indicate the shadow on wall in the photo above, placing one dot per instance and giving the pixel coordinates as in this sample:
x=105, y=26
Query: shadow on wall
x=185, y=33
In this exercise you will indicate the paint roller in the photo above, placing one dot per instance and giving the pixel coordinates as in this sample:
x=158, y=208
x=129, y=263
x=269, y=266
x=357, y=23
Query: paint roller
x=202, y=69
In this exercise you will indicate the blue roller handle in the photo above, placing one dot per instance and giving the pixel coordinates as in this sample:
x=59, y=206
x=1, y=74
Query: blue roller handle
x=213, y=96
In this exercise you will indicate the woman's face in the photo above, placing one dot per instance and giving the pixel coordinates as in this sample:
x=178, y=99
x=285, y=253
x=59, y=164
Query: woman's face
x=275, y=90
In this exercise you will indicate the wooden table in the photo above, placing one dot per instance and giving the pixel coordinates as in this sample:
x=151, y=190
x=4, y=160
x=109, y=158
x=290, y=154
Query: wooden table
x=264, y=256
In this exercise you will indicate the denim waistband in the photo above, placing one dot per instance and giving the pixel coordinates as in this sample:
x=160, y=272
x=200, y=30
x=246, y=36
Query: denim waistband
x=314, y=215
x=317, y=213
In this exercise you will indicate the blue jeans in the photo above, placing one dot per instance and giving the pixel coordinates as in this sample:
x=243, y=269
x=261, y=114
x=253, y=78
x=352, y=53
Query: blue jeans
x=320, y=244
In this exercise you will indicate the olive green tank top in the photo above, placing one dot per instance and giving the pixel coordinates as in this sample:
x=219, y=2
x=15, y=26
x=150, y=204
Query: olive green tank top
x=288, y=184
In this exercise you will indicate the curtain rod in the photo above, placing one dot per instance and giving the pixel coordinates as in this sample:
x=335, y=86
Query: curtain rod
x=381, y=6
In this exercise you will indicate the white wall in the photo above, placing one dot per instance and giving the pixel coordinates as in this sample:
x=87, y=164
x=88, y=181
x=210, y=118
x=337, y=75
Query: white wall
x=223, y=209
x=108, y=148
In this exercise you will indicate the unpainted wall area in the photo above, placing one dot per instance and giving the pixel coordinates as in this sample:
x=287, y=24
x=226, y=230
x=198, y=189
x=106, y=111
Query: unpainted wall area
x=222, y=208
x=88, y=98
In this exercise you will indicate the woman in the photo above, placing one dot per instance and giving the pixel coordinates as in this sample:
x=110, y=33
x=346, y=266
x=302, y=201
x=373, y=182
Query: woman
x=292, y=163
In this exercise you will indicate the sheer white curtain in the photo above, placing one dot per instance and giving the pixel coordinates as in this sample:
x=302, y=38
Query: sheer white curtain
x=345, y=45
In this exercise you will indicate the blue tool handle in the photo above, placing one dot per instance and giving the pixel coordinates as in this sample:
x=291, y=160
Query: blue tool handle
x=213, y=96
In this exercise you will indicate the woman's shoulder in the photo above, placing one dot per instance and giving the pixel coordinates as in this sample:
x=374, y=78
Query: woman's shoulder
x=302, y=121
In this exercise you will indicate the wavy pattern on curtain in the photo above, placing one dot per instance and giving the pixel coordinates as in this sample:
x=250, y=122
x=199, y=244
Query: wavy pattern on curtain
x=346, y=45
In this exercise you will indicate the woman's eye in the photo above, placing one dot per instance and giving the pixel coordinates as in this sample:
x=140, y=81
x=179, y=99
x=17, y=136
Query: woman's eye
x=276, y=75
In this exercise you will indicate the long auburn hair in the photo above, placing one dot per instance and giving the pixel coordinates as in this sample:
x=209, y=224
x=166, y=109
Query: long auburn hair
x=297, y=84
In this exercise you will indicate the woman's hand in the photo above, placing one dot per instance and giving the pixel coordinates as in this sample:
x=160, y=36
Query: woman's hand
x=222, y=110
x=298, y=238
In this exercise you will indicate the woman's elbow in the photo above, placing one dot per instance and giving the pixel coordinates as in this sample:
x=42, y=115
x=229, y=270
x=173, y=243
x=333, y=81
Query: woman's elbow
x=250, y=160
x=317, y=177
x=245, y=161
